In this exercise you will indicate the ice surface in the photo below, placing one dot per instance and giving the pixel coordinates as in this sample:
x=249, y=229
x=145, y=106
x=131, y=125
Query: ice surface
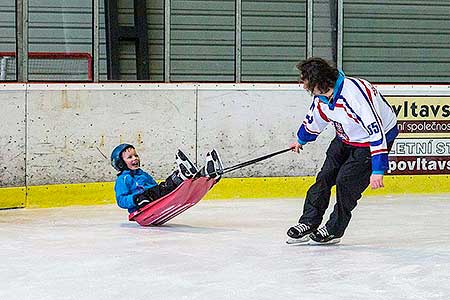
x=396, y=247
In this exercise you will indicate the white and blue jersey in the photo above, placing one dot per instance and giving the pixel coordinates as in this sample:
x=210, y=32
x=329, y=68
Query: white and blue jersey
x=360, y=115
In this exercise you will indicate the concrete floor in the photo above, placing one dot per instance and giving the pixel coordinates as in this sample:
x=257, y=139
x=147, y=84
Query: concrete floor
x=396, y=247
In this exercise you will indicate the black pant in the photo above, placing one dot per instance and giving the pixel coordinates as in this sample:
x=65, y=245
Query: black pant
x=347, y=167
x=164, y=188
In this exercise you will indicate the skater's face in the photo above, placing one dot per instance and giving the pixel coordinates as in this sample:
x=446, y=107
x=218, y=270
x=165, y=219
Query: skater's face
x=131, y=158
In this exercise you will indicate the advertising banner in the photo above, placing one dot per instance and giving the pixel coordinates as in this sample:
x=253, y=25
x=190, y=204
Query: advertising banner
x=423, y=145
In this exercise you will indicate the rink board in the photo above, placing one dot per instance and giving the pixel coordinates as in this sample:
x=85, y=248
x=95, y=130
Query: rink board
x=227, y=188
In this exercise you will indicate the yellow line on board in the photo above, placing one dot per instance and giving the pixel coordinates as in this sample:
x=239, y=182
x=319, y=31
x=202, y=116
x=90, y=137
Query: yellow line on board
x=70, y=194
x=262, y=187
x=414, y=184
x=296, y=187
x=227, y=188
x=12, y=197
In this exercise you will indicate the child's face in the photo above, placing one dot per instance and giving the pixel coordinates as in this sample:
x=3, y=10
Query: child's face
x=131, y=159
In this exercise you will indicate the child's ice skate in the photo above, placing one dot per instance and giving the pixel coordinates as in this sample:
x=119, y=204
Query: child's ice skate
x=213, y=166
x=321, y=236
x=299, y=233
x=218, y=165
x=185, y=166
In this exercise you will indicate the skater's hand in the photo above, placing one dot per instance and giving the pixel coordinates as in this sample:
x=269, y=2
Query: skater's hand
x=296, y=147
x=376, y=181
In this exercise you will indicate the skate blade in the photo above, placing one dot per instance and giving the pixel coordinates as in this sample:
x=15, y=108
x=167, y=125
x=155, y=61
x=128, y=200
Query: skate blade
x=303, y=240
x=329, y=243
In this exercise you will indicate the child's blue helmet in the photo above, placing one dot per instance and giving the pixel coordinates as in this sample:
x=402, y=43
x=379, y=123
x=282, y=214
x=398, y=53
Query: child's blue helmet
x=116, y=157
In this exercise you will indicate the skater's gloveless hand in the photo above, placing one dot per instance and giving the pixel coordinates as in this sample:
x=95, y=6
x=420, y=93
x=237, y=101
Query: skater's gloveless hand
x=296, y=147
x=376, y=181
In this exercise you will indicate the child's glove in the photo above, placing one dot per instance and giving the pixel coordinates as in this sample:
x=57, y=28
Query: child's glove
x=141, y=200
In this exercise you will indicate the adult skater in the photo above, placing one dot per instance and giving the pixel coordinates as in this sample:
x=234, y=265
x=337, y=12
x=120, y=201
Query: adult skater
x=365, y=127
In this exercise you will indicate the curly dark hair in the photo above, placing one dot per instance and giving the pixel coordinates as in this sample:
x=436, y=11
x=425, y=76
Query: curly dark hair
x=319, y=73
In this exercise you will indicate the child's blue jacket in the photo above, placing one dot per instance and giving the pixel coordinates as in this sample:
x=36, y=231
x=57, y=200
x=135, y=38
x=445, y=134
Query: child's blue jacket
x=130, y=183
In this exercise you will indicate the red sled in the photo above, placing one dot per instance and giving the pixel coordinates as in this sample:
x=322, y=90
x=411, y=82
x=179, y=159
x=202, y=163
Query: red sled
x=186, y=195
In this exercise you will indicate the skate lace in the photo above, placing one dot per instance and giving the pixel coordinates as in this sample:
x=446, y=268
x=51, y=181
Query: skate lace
x=323, y=231
x=302, y=227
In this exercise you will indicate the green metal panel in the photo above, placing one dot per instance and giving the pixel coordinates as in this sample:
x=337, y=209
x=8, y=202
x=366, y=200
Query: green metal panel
x=58, y=26
x=7, y=38
x=7, y=25
x=384, y=41
x=66, y=26
x=322, y=30
x=403, y=41
x=273, y=40
x=155, y=21
x=202, y=40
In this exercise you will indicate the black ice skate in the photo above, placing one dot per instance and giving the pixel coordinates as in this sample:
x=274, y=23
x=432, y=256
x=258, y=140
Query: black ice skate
x=299, y=233
x=185, y=166
x=322, y=237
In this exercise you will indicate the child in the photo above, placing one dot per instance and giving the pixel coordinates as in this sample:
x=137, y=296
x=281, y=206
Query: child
x=135, y=188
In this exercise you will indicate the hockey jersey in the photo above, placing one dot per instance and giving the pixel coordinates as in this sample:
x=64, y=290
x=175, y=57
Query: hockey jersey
x=360, y=115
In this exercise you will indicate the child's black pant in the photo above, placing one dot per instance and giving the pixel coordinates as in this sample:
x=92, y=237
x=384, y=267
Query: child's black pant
x=164, y=187
x=347, y=167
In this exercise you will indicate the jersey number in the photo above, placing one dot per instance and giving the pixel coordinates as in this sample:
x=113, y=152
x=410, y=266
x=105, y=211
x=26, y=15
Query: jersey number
x=373, y=128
